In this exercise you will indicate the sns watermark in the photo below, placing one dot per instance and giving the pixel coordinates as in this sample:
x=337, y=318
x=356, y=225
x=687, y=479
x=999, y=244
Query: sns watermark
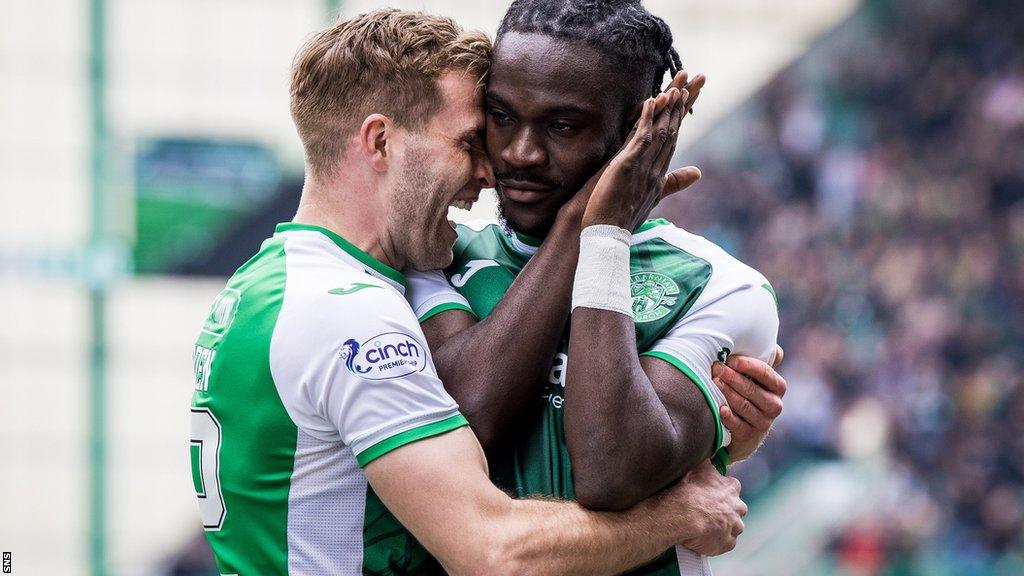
x=7, y=562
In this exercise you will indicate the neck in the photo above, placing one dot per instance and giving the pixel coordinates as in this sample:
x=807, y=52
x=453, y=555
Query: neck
x=511, y=228
x=343, y=208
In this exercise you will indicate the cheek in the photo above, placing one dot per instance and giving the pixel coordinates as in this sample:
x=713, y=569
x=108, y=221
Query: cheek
x=496, y=141
x=459, y=171
x=577, y=163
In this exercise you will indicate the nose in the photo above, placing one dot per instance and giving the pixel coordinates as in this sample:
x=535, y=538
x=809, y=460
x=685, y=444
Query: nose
x=483, y=172
x=525, y=150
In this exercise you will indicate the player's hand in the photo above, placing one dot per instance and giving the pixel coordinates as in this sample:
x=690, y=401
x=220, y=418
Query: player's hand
x=635, y=179
x=712, y=511
x=754, y=391
x=674, y=182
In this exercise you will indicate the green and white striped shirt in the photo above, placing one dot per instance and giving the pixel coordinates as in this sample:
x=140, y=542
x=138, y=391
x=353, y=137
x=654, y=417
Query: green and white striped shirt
x=310, y=365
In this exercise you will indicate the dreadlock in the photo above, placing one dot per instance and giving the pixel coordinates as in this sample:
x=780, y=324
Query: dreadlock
x=622, y=29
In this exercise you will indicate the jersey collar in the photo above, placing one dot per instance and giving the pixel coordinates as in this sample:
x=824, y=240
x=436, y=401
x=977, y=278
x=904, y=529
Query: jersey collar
x=374, y=266
x=523, y=244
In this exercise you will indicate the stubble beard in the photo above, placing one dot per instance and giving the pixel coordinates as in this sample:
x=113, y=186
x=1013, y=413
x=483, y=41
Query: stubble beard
x=507, y=226
x=413, y=217
x=510, y=226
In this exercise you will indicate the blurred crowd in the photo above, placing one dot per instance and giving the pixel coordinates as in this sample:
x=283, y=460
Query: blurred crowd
x=878, y=183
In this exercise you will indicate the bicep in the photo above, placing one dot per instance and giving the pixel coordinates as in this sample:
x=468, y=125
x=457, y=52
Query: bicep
x=441, y=310
x=662, y=439
x=686, y=405
x=440, y=327
x=744, y=321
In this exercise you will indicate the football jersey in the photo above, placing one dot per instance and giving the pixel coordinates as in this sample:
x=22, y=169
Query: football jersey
x=692, y=304
x=309, y=366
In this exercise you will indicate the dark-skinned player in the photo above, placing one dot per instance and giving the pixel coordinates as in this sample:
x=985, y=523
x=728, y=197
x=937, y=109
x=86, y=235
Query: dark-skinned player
x=611, y=404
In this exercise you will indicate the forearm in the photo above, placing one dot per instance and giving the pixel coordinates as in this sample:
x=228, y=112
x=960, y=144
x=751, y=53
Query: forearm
x=629, y=431
x=438, y=489
x=616, y=465
x=495, y=368
x=551, y=537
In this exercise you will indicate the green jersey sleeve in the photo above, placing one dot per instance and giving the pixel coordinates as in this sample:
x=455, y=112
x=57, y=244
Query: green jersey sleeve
x=737, y=319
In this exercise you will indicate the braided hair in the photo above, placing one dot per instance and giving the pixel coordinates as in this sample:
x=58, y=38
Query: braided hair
x=624, y=30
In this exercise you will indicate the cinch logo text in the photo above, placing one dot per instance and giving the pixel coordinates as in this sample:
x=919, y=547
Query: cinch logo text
x=383, y=357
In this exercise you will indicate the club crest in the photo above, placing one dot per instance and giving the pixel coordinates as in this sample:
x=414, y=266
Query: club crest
x=653, y=294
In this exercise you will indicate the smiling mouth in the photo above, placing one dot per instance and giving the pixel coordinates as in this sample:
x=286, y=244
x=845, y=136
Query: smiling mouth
x=463, y=203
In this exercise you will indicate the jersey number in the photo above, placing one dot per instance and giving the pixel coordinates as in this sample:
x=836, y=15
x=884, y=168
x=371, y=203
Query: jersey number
x=204, y=446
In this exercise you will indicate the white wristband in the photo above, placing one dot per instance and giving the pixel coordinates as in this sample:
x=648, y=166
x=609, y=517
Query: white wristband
x=602, y=274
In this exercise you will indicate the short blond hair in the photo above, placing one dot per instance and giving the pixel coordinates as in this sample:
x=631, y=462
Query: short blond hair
x=386, y=61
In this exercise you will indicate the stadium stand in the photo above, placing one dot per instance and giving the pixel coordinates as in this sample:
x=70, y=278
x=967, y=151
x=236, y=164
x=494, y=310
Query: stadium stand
x=878, y=183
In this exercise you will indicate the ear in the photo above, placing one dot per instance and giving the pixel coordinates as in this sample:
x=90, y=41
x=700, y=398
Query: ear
x=374, y=135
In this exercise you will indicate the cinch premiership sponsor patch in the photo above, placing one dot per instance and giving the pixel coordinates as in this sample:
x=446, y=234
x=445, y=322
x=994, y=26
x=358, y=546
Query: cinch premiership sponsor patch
x=385, y=356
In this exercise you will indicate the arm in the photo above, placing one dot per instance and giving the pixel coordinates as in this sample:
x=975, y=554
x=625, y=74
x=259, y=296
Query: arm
x=667, y=428
x=494, y=393
x=657, y=406
x=406, y=433
x=663, y=425
x=517, y=340
x=477, y=529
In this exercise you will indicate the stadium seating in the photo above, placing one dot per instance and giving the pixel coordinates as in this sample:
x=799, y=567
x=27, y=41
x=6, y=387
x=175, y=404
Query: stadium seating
x=878, y=184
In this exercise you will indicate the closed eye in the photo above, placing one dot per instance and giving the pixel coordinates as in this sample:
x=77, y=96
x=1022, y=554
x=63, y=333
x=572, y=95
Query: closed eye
x=474, y=145
x=500, y=118
x=561, y=127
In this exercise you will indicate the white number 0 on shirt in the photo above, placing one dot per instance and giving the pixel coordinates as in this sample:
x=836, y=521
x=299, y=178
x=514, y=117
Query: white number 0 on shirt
x=204, y=443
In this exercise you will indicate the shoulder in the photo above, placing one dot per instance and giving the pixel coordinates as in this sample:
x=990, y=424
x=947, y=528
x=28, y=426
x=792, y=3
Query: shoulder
x=731, y=308
x=723, y=268
x=474, y=229
x=322, y=279
x=341, y=327
x=325, y=302
x=324, y=291
x=430, y=293
x=717, y=283
x=478, y=236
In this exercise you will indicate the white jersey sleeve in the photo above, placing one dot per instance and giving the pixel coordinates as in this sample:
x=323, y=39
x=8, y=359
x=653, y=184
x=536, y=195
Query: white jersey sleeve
x=353, y=366
x=430, y=293
x=739, y=319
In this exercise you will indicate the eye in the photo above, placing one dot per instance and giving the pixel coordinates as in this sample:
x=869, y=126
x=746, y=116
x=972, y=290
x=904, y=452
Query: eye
x=499, y=117
x=561, y=127
x=473, y=148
